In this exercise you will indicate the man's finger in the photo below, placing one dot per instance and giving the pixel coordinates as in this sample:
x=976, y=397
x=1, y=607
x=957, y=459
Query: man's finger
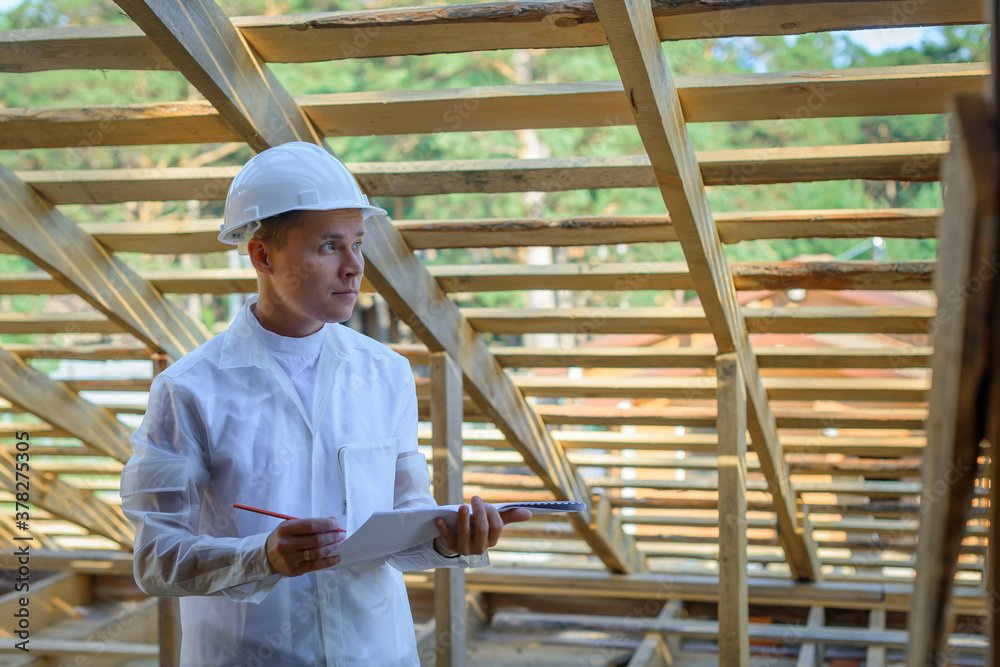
x=515, y=515
x=307, y=526
x=482, y=525
x=496, y=526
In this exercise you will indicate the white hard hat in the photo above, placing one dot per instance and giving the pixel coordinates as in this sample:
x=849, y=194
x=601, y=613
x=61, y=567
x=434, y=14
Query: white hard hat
x=296, y=176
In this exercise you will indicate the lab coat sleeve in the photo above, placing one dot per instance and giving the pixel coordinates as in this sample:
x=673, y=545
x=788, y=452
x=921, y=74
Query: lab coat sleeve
x=413, y=487
x=162, y=489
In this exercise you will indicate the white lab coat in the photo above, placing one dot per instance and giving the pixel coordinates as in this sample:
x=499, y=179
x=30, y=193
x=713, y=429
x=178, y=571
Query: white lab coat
x=224, y=425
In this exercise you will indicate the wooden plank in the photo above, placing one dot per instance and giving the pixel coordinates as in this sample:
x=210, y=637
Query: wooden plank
x=910, y=275
x=102, y=561
x=655, y=650
x=901, y=161
x=694, y=357
x=57, y=323
x=778, y=388
x=49, y=600
x=485, y=26
x=204, y=45
x=200, y=236
x=715, y=98
x=168, y=632
x=709, y=629
x=913, y=275
x=811, y=653
x=88, y=352
x=39, y=232
x=912, y=419
x=875, y=656
x=958, y=410
x=690, y=320
x=733, y=227
x=230, y=76
x=734, y=645
x=148, y=124
x=449, y=583
x=76, y=505
x=496, y=25
x=71, y=648
x=57, y=404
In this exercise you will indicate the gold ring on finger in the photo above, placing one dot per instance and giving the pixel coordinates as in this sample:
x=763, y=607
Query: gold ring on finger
x=307, y=555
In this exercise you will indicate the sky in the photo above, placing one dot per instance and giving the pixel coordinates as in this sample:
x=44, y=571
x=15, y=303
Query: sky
x=875, y=41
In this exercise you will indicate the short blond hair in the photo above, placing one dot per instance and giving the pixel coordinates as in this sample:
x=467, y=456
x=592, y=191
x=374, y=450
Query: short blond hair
x=274, y=230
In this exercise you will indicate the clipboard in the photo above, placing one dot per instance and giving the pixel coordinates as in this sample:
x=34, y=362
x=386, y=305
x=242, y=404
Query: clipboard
x=387, y=533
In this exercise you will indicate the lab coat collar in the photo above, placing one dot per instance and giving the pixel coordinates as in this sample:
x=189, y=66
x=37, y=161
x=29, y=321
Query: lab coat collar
x=242, y=346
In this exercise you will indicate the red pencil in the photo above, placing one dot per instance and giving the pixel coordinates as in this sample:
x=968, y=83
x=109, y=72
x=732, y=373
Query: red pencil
x=274, y=514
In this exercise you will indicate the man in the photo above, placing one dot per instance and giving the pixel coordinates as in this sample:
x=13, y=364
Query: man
x=288, y=411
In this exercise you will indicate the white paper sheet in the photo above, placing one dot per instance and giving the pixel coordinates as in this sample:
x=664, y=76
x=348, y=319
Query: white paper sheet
x=385, y=533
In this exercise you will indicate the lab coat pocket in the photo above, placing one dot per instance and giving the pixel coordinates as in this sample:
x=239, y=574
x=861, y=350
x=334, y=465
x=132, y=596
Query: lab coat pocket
x=368, y=471
x=161, y=484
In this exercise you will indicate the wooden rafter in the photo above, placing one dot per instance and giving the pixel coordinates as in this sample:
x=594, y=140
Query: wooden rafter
x=909, y=89
x=203, y=44
x=484, y=26
x=966, y=327
x=61, y=407
x=632, y=35
x=901, y=161
x=31, y=224
x=663, y=276
x=200, y=236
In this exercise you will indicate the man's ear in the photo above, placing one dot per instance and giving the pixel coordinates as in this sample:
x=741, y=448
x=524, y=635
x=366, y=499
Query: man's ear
x=260, y=256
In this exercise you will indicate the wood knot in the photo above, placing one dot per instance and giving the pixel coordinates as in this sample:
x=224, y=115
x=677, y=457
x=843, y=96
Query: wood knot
x=566, y=21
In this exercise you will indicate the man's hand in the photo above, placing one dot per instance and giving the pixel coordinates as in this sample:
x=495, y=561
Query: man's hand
x=303, y=545
x=477, y=530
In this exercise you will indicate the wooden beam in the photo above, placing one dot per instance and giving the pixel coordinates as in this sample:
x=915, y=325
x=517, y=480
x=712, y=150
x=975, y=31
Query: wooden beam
x=55, y=649
x=203, y=44
x=492, y=25
x=915, y=275
x=715, y=98
x=656, y=650
x=811, y=653
x=449, y=583
x=590, y=230
x=690, y=320
x=694, y=357
x=229, y=75
x=200, y=236
x=777, y=388
x=699, y=417
x=168, y=616
x=57, y=323
x=965, y=284
x=710, y=629
x=39, y=232
x=873, y=91
x=910, y=275
x=900, y=161
x=485, y=26
x=734, y=645
x=84, y=562
x=49, y=600
x=875, y=655
x=57, y=404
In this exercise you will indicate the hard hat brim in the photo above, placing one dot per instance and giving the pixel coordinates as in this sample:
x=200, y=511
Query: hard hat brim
x=234, y=235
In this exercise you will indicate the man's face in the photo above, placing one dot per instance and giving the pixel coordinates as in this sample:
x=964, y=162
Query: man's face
x=315, y=277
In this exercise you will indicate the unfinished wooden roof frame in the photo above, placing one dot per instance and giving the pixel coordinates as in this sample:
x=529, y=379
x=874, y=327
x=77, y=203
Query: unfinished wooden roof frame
x=793, y=520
